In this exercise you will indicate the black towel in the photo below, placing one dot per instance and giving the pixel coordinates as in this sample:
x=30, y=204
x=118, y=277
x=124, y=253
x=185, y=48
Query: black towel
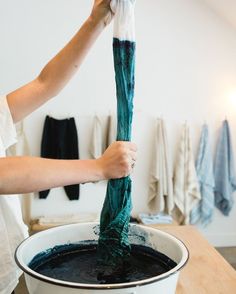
x=60, y=141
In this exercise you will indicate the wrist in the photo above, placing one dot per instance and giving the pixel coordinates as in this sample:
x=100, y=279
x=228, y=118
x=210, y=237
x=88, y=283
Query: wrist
x=96, y=22
x=98, y=169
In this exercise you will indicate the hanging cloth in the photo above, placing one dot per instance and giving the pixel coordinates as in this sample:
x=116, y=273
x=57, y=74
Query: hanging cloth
x=99, y=138
x=60, y=141
x=186, y=187
x=114, y=223
x=103, y=134
x=203, y=211
x=225, y=178
x=160, y=197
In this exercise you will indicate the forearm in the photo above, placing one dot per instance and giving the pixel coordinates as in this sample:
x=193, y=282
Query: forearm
x=56, y=74
x=62, y=67
x=31, y=174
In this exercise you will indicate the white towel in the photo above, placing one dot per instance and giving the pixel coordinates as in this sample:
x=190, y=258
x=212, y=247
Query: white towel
x=160, y=198
x=19, y=149
x=186, y=187
x=112, y=129
x=99, y=136
x=103, y=134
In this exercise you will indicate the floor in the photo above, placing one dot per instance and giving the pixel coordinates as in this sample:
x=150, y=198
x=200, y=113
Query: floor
x=229, y=253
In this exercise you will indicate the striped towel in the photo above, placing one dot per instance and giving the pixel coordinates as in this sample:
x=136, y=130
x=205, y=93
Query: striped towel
x=203, y=211
x=186, y=187
x=224, y=171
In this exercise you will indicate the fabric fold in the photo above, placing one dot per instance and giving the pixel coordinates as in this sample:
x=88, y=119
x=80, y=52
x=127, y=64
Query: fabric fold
x=224, y=171
x=160, y=197
x=186, y=187
x=203, y=211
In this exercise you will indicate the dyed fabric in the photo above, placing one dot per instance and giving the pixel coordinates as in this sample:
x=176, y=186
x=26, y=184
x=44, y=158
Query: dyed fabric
x=114, y=224
x=225, y=178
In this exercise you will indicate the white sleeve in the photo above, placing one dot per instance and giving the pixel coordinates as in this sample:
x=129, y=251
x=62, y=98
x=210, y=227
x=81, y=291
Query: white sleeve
x=7, y=127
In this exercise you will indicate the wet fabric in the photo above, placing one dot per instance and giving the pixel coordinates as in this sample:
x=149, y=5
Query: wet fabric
x=114, y=223
x=60, y=141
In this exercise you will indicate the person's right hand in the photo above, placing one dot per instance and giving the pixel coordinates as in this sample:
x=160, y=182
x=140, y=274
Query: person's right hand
x=102, y=11
x=118, y=160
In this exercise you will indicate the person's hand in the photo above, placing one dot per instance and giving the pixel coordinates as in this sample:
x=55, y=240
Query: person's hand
x=118, y=160
x=101, y=11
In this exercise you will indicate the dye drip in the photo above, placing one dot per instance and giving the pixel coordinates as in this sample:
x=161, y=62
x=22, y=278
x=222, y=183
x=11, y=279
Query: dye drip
x=114, y=223
x=61, y=261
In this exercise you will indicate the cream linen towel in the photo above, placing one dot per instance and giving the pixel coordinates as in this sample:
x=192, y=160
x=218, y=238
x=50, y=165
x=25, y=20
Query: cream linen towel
x=103, y=134
x=186, y=187
x=160, y=198
x=112, y=126
x=99, y=136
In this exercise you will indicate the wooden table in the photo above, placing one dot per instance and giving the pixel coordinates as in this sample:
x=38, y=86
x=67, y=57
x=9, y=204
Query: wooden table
x=206, y=272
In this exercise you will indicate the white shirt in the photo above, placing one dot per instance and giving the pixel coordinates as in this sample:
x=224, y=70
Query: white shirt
x=12, y=228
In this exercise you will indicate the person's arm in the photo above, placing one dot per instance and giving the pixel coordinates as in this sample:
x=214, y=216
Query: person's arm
x=30, y=174
x=56, y=74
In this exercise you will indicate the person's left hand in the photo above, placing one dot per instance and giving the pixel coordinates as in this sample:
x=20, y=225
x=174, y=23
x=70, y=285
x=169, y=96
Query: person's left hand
x=102, y=11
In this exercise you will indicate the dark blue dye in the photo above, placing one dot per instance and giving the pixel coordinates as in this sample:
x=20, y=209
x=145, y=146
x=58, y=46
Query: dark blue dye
x=79, y=263
x=114, y=223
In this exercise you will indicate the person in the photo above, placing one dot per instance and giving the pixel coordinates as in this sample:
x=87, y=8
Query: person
x=20, y=175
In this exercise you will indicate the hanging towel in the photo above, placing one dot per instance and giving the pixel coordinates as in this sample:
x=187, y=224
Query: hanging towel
x=203, y=211
x=12, y=228
x=225, y=181
x=21, y=148
x=114, y=223
x=60, y=141
x=186, y=187
x=103, y=134
x=99, y=136
x=112, y=126
x=160, y=198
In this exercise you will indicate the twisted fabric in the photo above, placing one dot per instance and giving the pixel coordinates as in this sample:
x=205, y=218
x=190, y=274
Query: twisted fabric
x=114, y=223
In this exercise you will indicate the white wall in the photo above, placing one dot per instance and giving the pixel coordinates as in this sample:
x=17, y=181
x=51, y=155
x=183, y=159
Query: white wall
x=186, y=68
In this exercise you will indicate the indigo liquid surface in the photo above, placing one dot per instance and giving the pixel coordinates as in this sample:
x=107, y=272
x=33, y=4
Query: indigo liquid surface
x=78, y=263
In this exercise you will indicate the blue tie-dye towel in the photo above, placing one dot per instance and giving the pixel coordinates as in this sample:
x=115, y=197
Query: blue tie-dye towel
x=225, y=181
x=203, y=211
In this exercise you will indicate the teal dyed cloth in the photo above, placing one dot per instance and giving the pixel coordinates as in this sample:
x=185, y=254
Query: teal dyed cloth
x=114, y=223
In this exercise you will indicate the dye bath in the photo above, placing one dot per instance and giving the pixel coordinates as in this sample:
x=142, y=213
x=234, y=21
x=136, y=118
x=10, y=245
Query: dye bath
x=78, y=263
